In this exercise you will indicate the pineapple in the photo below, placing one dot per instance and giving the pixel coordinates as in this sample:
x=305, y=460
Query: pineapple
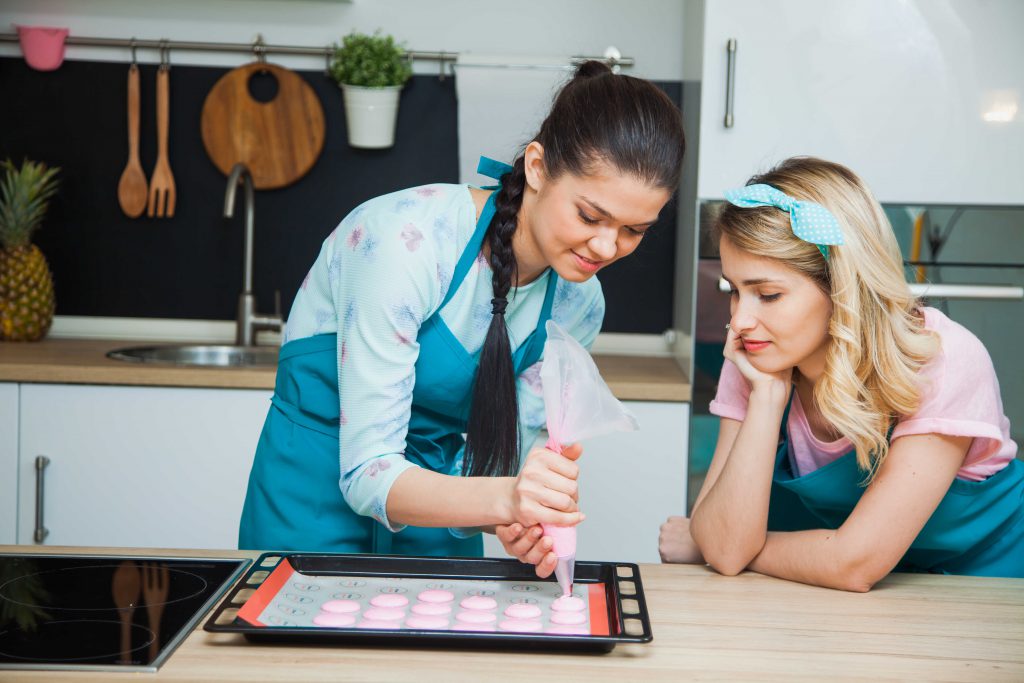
x=26, y=286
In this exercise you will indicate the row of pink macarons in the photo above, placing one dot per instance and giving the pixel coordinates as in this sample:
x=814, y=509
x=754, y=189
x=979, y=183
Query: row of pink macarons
x=431, y=612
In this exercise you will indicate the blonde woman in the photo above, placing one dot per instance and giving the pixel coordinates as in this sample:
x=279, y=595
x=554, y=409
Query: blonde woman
x=861, y=433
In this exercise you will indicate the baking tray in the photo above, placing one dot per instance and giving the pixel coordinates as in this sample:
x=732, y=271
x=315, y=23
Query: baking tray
x=616, y=589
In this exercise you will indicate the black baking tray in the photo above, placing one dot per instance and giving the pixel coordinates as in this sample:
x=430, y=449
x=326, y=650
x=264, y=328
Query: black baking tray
x=628, y=621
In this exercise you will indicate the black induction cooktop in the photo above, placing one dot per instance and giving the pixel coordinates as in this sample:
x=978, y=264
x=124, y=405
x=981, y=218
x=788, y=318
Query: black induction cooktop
x=95, y=612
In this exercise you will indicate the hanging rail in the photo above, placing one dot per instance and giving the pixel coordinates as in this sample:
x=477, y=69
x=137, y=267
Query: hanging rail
x=941, y=290
x=259, y=48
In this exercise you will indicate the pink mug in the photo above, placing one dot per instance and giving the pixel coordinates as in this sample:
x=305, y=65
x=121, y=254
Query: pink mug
x=42, y=46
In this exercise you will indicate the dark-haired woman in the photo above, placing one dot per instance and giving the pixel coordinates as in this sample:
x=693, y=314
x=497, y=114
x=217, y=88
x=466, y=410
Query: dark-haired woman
x=423, y=319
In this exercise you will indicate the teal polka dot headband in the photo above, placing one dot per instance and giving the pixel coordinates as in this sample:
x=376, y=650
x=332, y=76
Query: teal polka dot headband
x=811, y=222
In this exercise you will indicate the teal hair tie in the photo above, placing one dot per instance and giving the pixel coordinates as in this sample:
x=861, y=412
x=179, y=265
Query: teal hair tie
x=810, y=221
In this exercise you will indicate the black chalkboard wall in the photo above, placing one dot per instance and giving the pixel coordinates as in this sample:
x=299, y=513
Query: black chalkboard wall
x=190, y=266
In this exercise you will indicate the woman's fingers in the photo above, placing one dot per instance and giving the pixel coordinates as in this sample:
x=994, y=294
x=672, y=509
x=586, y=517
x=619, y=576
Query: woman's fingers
x=544, y=460
x=507, y=533
x=733, y=349
x=537, y=552
x=573, y=452
x=568, y=487
x=547, y=565
x=676, y=544
x=548, y=470
x=529, y=546
x=539, y=501
x=556, y=500
x=546, y=490
x=522, y=545
x=561, y=518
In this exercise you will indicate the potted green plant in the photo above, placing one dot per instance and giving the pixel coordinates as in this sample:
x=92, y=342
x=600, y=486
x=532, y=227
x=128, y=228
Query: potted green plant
x=371, y=71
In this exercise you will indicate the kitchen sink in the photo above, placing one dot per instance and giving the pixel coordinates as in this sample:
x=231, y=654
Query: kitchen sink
x=200, y=355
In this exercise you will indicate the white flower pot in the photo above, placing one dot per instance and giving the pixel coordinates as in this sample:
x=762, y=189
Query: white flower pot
x=370, y=114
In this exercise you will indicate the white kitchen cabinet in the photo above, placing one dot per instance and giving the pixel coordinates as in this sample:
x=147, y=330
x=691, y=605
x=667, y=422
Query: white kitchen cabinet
x=137, y=466
x=8, y=462
x=629, y=485
x=168, y=467
x=921, y=98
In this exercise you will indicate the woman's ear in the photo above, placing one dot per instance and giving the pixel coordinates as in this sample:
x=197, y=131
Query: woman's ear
x=533, y=163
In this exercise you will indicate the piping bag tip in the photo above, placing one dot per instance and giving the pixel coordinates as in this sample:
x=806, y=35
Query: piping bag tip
x=565, y=572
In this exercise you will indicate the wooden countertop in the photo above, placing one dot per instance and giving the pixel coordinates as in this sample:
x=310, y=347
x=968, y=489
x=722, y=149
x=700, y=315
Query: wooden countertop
x=910, y=627
x=75, y=361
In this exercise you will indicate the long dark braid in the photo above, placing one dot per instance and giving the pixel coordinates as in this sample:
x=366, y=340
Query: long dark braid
x=597, y=116
x=492, y=439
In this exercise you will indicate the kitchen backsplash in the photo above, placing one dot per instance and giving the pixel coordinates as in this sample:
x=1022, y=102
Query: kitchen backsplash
x=190, y=266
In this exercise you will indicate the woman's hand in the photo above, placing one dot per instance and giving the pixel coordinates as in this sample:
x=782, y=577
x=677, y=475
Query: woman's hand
x=528, y=545
x=545, y=492
x=775, y=384
x=675, y=544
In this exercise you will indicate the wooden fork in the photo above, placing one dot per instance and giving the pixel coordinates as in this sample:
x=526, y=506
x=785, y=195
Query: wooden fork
x=155, y=584
x=161, y=186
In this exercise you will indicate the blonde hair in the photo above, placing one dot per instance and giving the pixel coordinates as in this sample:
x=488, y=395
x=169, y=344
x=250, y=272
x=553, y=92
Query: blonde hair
x=878, y=342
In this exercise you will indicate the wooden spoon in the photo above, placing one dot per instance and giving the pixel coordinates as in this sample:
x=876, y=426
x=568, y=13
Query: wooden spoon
x=132, y=190
x=126, y=588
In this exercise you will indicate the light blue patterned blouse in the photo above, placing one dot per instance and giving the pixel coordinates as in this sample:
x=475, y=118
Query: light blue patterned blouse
x=382, y=272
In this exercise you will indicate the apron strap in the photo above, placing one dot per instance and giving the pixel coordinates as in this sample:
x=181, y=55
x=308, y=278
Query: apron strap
x=472, y=249
x=549, y=299
x=530, y=351
x=491, y=169
x=785, y=416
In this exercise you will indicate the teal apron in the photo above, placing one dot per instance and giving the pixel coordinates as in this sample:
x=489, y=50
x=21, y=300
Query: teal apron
x=977, y=528
x=294, y=502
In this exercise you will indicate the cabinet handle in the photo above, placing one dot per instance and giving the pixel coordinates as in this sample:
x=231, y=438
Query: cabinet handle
x=41, y=531
x=730, y=80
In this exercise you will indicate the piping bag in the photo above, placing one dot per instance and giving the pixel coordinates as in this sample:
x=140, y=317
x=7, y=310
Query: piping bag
x=578, y=405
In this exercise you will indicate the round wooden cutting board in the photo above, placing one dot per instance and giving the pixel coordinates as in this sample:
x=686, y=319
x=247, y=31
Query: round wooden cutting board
x=278, y=140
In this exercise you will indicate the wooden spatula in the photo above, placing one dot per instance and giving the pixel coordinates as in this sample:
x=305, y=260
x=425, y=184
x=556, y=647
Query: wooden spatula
x=131, y=190
x=161, y=185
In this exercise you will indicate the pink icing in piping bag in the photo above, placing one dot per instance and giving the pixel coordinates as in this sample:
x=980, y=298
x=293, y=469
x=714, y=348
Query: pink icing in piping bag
x=564, y=538
x=578, y=405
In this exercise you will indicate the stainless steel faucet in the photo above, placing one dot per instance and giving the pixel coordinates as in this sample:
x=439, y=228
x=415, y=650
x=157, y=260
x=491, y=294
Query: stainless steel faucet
x=248, y=321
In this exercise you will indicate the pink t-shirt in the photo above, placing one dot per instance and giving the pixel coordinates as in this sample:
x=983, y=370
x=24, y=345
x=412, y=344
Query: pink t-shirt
x=960, y=397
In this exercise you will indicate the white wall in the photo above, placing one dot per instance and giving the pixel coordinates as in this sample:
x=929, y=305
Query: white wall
x=649, y=30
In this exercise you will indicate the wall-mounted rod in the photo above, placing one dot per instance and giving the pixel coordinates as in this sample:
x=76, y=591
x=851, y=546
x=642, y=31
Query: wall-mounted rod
x=259, y=47
x=938, y=290
x=962, y=264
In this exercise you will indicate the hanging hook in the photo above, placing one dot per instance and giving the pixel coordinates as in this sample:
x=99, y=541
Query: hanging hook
x=259, y=49
x=134, y=44
x=612, y=57
x=165, y=54
x=328, y=53
x=440, y=75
